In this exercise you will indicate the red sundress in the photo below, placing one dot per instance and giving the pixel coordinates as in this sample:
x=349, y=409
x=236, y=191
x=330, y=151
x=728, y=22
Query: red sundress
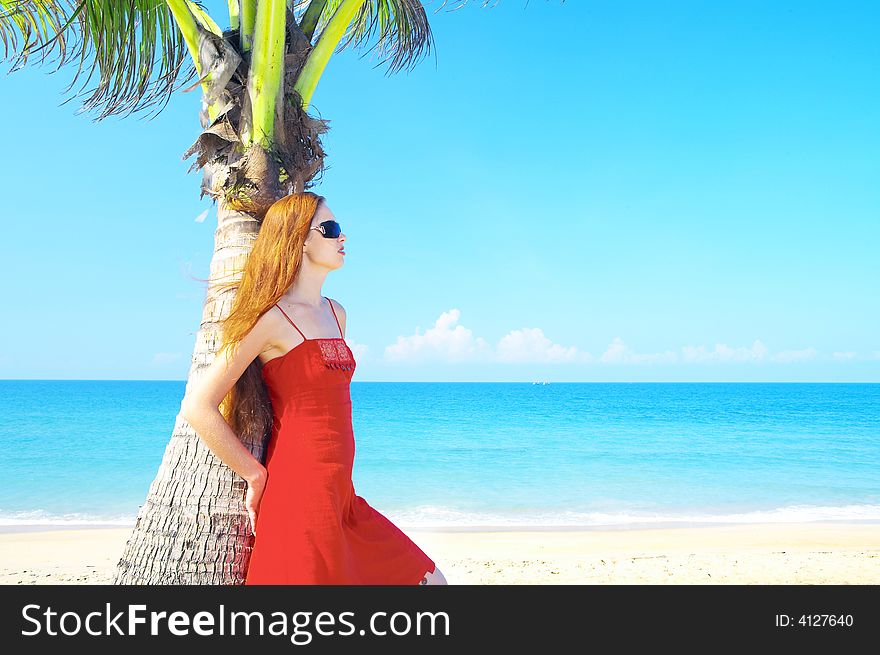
x=312, y=528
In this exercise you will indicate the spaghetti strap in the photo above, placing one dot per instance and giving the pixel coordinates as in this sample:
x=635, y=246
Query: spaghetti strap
x=291, y=322
x=337, y=318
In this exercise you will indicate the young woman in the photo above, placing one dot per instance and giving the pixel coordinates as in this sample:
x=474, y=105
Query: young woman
x=284, y=362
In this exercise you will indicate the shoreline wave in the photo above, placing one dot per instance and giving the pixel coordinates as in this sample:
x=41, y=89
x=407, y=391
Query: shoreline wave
x=442, y=518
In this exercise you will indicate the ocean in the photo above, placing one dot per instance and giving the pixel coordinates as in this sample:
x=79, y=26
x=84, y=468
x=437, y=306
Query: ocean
x=488, y=455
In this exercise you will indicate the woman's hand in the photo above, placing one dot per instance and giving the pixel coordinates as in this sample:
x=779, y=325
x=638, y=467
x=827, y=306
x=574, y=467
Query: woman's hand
x=253, y=496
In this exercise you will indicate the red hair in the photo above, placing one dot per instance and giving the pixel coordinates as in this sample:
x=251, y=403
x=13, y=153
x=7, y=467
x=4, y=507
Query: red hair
x=271, y=268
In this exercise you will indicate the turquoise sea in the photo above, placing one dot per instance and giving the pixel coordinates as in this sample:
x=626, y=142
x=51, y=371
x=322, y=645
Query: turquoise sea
x=485, y=455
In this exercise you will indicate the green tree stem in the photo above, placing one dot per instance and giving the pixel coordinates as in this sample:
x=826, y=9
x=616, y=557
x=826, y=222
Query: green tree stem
x=186, y=21
x=267, y=67
x=320, y=55
x=233, y=14
x=203, y=17
x=248, y=19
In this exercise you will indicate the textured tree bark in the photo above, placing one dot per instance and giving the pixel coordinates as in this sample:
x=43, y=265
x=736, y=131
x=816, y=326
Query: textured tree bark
x=193, y=527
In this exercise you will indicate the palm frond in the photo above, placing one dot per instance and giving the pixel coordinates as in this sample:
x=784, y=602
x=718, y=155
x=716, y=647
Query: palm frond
x=310, y=18
x=36, y=23
x=400, y=28
x=135, y=45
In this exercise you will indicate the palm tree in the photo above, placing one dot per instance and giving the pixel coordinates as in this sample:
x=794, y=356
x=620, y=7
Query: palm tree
x=257, y=144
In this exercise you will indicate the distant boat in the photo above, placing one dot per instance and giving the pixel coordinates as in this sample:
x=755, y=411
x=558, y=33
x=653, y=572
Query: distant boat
x=539, y=382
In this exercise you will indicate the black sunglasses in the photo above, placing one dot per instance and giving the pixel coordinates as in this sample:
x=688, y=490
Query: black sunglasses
x=330, y=229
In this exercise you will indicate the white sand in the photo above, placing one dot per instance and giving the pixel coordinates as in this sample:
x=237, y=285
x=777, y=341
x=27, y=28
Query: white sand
x=805, y=553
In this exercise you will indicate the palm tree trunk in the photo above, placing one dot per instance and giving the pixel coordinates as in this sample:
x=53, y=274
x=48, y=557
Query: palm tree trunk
x=192, y=527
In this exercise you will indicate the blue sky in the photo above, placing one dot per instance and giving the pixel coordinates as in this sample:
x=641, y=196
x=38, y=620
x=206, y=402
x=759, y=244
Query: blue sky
x=588, y=191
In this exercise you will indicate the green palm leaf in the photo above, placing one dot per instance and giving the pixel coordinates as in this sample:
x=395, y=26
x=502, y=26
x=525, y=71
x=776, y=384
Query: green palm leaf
x=400, y=28
x=135, y=45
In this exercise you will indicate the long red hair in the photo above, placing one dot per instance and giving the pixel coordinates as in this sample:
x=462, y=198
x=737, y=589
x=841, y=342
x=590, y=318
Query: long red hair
x=270, y=268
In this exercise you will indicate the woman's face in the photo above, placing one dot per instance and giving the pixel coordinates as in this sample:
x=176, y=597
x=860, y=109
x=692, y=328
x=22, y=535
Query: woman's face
x=321, y=250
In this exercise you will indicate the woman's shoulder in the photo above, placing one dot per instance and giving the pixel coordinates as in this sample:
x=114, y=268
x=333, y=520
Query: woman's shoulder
x=274, y=315
x=336, y=305
x=340, y=315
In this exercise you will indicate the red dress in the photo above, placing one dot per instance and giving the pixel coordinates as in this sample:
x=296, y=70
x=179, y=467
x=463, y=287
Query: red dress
x=312, y=528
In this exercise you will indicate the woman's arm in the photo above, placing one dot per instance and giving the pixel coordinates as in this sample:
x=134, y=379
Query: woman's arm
x=201, y=404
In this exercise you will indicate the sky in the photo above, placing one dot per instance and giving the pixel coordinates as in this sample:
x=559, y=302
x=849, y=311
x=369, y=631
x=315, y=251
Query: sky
x=586, y=191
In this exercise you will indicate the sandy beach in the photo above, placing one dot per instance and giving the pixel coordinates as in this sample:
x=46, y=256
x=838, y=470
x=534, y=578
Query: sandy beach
x=806, y=553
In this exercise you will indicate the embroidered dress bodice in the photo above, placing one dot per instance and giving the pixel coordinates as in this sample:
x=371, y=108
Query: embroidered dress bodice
x=334, y=352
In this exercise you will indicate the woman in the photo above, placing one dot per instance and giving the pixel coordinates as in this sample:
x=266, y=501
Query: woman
x=284, y=362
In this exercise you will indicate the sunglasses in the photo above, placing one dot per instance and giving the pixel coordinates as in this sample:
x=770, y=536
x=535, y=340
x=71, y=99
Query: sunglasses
x=330, y=229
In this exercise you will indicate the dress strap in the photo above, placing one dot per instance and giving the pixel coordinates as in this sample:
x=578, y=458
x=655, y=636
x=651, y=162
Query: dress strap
x=336, y=317
x=291, y=322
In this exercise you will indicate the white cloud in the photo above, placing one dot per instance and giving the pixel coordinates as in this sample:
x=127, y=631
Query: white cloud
x=530, y=345
x=788, y=356
x=724, y=353
x=619, y=353
x=448, y=341
x=445, y=341
x=360, y=350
